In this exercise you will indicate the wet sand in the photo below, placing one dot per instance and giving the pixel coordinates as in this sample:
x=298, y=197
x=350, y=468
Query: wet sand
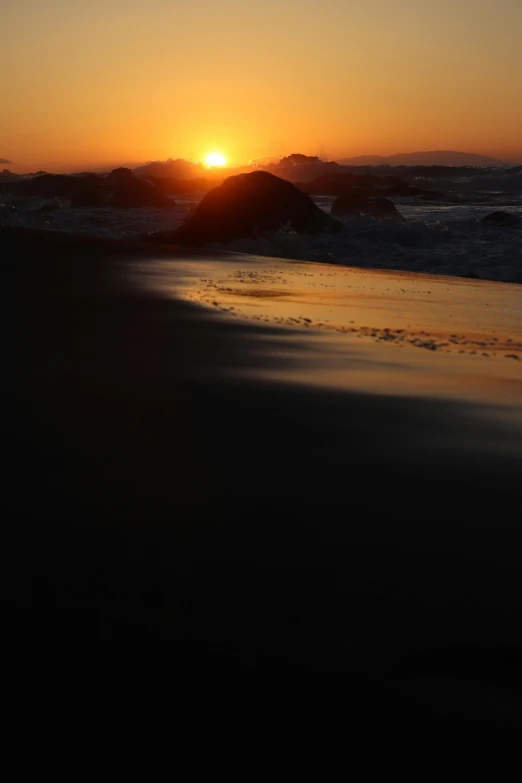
x=267, y=495
x=346, y=310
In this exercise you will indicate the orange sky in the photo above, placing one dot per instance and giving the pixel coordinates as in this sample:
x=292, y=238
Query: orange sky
x=110, y=81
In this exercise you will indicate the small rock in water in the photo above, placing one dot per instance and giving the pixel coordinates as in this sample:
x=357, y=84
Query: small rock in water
x=503, y=219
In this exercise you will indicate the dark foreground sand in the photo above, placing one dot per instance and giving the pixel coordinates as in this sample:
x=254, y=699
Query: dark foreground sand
x=266, y=496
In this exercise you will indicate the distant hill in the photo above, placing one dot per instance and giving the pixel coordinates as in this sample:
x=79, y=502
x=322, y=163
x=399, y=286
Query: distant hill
x=432, y=158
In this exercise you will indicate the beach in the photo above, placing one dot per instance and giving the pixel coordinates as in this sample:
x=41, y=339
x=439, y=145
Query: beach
x=276, y=464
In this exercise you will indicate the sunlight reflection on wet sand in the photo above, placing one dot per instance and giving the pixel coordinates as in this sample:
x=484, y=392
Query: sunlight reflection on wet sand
x=376, y=331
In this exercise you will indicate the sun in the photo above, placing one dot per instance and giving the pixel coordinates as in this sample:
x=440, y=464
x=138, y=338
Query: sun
x=215, y=159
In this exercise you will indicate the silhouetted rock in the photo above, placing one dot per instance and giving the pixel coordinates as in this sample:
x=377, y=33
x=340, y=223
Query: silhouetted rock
x=137, y=193
x=402, y=189
x=46, y=186
x=367, y=185
x=405, y=190
x=88, y=198
x=410, y=173
x=427, y=158
x=515, y=171
x=171, y=186
x=296, y=174
x=45, y=209
x=127, y=191
x=430, y=195
x=177, y=169
x=329, y=184
x=121, y=189
x=7, y=176
x=246, y=203
x=297, y=159
x=350, y=204
x=503, y=219
x=120, y=176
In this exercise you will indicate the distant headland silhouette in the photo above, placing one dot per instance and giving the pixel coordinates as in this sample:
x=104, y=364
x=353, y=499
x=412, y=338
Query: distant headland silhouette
x=180, y=168
x=428, y=158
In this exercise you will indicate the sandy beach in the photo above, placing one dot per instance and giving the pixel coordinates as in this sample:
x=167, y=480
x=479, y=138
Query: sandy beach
x=356, y=315
x=278, y=465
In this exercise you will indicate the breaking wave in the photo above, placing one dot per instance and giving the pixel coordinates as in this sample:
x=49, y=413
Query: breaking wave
x=465, y=248
x=442, y=238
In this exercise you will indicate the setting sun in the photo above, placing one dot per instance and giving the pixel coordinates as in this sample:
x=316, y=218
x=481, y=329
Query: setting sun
x=215, y=159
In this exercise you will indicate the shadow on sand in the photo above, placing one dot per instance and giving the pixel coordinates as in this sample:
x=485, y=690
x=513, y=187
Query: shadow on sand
x=259, y=525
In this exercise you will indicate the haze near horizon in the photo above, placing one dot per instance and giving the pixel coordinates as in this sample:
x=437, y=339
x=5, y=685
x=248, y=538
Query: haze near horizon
x=118, y=80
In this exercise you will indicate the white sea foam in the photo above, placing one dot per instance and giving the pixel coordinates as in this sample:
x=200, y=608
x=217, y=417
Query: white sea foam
x=451, y=248
x=437, y=238
x=106, y=222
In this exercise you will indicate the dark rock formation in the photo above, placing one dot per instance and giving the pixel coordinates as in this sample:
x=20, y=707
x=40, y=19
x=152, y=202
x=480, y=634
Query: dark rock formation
x=47, y=186
x=246, y=203
x=350, y=204
x=7, y=176
x=127, y=191
x=426, y=158
x=130, y=192
x=176, y=169
x=515, y=171
x=176, y=187
x=121, y=189
x=502, y=219
x=45, y=209
x=403, y=189
x=301, y=167
x=120, y=176
x=88, y=198
x=297, y=159
x=329, y=184
x=368, y=185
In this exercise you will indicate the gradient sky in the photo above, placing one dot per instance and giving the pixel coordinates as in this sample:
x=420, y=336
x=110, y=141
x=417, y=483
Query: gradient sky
x=108, y=81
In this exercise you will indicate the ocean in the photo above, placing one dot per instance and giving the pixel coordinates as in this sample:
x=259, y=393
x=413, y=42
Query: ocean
x=442, y=236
